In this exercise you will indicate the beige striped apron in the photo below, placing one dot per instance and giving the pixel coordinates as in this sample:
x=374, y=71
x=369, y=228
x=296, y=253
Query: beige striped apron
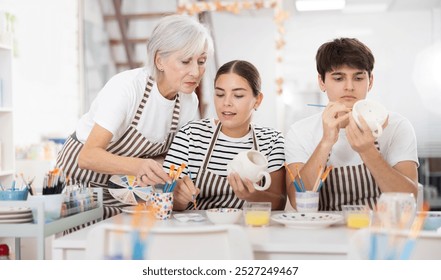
x=216, y=192
x=349, y=185
x=131, y=144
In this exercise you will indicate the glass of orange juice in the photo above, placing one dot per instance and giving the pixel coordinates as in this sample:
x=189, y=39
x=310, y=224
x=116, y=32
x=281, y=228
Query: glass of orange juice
x=257, y=214
x=357, y=216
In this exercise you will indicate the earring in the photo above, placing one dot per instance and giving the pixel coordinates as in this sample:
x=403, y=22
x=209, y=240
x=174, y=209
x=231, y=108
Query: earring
x=161, y=70
x=255, y=109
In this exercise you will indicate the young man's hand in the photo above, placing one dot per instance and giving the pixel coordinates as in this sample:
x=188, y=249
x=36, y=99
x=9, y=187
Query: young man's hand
x=334, y=117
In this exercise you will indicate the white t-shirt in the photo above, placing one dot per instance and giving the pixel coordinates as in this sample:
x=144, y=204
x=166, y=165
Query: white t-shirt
x=397, y=143
x=116, y=105
x=191, y=145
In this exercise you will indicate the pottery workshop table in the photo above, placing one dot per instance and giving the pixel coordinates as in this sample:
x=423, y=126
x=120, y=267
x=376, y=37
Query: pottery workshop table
x=273, y=242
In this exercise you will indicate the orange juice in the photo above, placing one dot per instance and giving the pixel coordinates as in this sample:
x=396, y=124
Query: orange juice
x=257, y=218
x=358, y=220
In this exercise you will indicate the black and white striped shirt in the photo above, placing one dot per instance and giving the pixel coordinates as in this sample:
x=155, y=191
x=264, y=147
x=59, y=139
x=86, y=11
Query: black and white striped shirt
x=191, y=144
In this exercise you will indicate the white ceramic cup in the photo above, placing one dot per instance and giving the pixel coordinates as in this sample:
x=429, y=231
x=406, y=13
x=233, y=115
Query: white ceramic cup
x=52, y=205
x=251, y=165
x=374, y=113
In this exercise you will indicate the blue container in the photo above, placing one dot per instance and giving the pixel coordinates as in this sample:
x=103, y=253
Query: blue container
x=432, y=221
x=14, y=194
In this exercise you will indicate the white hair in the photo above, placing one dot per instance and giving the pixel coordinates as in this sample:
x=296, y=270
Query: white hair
x=177, y=33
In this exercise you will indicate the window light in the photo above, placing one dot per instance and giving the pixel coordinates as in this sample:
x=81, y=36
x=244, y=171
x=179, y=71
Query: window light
x=319, y=5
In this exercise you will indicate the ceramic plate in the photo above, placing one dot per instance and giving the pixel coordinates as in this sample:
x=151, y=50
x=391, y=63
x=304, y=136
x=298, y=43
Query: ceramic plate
x=15, y=216
x=17, y=221
x=133, y=210
x=189, y=217
x=14, y=210
x=307, y=220
x=125, y=189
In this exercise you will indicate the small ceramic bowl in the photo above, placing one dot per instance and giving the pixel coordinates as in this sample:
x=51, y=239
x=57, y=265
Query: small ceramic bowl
x=14, y=194
x=357, y=216
x=224, y=215
x=432, y=221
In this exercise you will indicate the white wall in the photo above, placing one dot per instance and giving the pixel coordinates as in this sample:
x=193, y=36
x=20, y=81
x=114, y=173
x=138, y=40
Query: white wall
x=396, y=39
x=47, y=97
x=46, y=93
x=249, y=36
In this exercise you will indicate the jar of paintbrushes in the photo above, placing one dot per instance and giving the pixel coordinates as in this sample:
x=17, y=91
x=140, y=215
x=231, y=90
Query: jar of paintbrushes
x=307, y=200
x=162, y=195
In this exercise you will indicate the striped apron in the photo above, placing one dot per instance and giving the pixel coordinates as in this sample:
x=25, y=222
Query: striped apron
x=215, y=189
x=131, y=144
x=349, y=185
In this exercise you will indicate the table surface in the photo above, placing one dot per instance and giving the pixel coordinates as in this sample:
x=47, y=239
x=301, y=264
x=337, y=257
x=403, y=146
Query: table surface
x=275, y=241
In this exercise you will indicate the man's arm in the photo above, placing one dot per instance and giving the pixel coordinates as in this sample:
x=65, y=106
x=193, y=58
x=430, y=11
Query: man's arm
x=402, y=177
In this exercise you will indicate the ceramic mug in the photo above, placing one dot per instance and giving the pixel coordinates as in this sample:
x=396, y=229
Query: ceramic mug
x=162, y=204
x=374, y=113
x=307, y=202
x=251, y=165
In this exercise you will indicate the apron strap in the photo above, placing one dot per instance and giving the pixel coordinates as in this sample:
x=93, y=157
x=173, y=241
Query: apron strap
x=256, y=147
x=147, y=90
x=211, y=147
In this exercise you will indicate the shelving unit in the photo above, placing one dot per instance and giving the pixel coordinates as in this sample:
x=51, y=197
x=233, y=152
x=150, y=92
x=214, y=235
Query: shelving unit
x=7, y=152
x=40, y=229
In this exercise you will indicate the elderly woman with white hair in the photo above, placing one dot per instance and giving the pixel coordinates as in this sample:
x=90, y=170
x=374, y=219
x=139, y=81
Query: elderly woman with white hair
x=135, y=116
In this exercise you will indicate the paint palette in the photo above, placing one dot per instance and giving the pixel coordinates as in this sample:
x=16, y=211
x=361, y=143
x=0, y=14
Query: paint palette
x=125, y=189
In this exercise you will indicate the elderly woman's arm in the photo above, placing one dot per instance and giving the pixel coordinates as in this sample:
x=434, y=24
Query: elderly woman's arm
x=94, y=156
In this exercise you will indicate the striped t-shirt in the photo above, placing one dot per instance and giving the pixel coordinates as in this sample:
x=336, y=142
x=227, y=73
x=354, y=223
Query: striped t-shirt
x=192, y=141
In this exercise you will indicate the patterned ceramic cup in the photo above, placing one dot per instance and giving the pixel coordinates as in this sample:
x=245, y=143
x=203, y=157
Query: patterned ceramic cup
x=307, y=202
x=162, y=204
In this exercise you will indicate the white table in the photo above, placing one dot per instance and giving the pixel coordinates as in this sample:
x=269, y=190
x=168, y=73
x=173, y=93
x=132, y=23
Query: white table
x=273, y=242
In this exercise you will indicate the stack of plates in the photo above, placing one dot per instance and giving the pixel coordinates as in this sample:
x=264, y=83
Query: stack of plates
x=15, y=215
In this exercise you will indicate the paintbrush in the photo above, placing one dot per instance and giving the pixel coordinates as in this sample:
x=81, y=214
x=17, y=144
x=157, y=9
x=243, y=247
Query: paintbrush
x=316, y=105
x=317, y=181
x=300, y=178
x=324, y=176
x=293, y=178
